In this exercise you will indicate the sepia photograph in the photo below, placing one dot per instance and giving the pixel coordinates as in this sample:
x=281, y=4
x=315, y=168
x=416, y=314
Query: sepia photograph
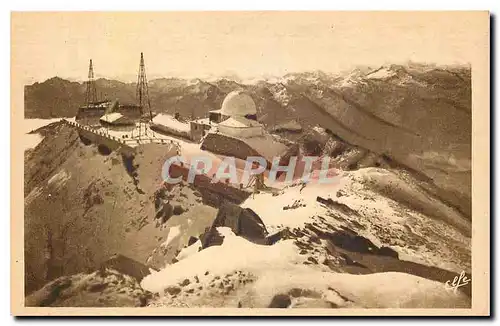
x=250, y=163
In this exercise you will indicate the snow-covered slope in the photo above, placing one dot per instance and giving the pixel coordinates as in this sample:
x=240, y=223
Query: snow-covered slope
x=403, y=253
x=392, y=229
x=243, y=274
x=31, y=138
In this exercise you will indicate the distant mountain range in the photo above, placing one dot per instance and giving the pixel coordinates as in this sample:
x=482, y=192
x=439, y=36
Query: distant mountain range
x=418, y=115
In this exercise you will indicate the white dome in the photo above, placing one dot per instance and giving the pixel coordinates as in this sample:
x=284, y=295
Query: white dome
x=238, y=103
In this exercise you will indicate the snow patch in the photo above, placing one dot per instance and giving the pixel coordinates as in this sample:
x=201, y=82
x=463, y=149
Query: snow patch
x=59, y=179
x=378, y=290
x=276, y=218
x=188, y=251
x=278, y=270
x=443, y=161
x=173, y=232
x=29, y=125
x=281, y=95
x=170, y=122
x=381, y=74
x=390, y=207
x=32, y=140
x=37, y=191
x=235, y=253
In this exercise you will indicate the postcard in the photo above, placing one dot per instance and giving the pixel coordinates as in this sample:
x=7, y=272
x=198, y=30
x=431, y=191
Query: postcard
x=250, y=163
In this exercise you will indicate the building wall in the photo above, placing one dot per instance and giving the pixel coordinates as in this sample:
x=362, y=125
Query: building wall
x=101, y=138
x=241, y=132
x=120, y=122
x=170, y=131
x=214, y=117
x=215, y=193
x=229, y=146
x=198, y=130
x=85, y=112
x=130, y=111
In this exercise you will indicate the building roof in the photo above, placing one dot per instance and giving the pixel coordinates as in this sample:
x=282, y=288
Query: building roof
x=204, y=121
x=111, y=117
x=238, y=103
x=239, y=122
x=170, y=122
x=267, y=146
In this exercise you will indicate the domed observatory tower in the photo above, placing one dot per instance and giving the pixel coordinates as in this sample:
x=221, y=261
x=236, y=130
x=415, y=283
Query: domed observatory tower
x=239, y=116
x=239, y=134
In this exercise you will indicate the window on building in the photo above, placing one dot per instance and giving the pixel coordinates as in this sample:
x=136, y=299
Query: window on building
x=251, y=116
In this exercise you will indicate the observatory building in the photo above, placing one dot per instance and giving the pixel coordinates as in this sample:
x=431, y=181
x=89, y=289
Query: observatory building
x=234, y=131
x=237, y=117
x=113, y=113
x=241, y=113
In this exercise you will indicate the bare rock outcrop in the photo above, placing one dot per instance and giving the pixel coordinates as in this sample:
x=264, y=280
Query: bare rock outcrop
x=102, y=288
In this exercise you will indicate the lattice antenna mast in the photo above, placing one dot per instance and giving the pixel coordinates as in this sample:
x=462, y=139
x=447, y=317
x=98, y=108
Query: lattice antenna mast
x=91, y=93
x=142, y=92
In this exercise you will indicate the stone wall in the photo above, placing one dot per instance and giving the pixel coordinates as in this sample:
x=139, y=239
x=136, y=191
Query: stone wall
x=101, y=138
x=229, y=146
x=215, y=194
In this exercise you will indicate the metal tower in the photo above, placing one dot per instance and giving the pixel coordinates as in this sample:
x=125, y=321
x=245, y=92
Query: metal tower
x=91, y=93
x=142, y=92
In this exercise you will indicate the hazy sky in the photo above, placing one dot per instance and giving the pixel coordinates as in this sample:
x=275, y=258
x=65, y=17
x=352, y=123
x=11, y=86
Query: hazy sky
x=249, y=44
